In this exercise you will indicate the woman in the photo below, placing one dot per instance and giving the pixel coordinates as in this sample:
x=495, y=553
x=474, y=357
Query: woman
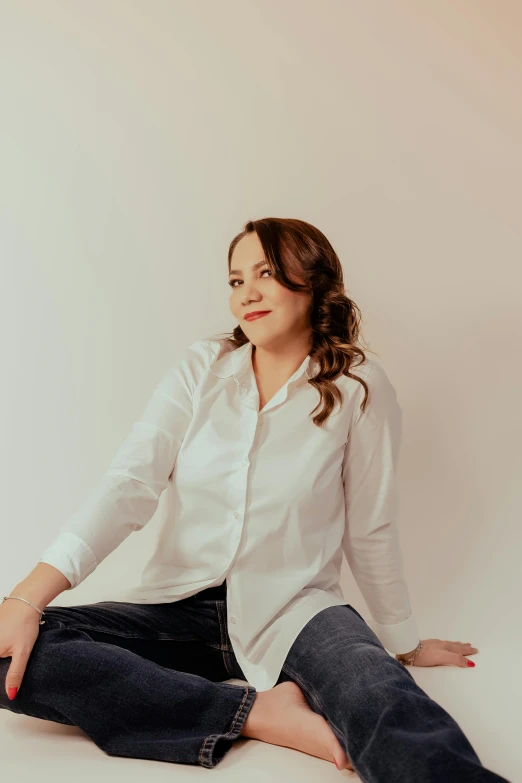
x=261, y=498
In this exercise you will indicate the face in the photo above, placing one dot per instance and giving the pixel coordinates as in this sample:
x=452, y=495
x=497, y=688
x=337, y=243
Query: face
x=254, y=288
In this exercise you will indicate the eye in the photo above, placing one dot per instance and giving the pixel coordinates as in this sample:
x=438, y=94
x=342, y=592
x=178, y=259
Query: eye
x=238, y=280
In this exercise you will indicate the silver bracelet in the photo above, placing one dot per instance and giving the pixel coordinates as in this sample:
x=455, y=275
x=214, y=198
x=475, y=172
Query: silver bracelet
x=409, y=661
x=40, y=612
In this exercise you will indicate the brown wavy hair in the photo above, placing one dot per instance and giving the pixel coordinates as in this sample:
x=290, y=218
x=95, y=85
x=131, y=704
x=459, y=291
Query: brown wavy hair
x=294, y=248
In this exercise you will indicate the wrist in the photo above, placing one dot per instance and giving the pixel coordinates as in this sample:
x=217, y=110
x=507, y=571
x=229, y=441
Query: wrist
x=21, y=591
x=406, y=654
x=42, y=585
x=408, y=659
x=17, y=599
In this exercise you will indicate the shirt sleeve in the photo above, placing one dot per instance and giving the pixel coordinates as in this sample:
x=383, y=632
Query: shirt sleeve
x=371, y=539
x=129, y=492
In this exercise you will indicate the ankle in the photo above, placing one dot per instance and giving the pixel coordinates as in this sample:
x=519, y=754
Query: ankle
x=256, y=718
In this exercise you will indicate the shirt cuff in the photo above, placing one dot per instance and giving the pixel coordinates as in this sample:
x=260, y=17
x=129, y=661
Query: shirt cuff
x=399, y=638
x=72, y=556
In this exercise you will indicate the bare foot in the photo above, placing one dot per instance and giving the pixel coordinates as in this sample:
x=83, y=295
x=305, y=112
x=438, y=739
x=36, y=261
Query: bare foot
x=282, y=716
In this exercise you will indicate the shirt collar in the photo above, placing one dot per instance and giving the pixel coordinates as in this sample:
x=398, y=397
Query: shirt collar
x=238, y=363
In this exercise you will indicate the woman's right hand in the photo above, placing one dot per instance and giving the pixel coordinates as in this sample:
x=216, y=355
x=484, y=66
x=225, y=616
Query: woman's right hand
x=19, y=629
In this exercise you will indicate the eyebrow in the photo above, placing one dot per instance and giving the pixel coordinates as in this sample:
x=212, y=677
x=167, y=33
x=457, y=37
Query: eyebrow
x=256, y=266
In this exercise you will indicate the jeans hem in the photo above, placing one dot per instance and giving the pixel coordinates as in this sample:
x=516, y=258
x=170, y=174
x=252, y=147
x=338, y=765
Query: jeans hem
x=211, y=753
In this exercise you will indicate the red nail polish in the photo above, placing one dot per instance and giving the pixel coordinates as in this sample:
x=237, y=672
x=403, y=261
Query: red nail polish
x=11, y=692
x=470, y=663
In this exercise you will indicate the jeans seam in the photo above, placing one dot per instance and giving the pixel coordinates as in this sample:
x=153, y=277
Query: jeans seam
x=220, y=606
x=86, y=627
x=212, y=739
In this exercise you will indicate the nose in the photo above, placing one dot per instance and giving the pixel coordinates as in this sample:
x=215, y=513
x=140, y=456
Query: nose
x=249, y=293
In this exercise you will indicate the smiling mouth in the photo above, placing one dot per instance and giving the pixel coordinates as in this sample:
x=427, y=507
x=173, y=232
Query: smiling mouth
x=254, y=317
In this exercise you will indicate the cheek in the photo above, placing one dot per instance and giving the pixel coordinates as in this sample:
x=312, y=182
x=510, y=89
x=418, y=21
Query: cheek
x=234, y=302
x=284, y=298
x=293, y=305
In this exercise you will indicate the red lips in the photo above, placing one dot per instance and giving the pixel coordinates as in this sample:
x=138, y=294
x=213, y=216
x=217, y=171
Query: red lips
x=256, y=314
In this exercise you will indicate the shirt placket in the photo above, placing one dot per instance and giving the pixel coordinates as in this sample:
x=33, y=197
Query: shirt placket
x=249, y=401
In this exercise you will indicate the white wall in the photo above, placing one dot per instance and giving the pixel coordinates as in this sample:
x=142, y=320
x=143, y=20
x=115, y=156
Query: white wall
x=136, y=138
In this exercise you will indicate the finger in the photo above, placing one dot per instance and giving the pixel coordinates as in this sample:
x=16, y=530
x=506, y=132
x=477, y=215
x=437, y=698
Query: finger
x=460, y=660
x=464, y=647
x=16, y=671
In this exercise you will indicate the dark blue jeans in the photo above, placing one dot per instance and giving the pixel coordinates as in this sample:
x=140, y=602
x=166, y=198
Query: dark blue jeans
x=146, y=681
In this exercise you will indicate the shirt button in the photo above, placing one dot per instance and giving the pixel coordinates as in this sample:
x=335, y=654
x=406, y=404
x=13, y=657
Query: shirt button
x=244, y=462
x=232, y=619
x=236, y=515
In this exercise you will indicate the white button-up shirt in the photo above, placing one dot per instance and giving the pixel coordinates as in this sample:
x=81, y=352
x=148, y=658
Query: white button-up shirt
x=264, y=499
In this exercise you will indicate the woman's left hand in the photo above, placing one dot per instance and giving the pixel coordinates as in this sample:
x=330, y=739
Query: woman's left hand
x=438, y=652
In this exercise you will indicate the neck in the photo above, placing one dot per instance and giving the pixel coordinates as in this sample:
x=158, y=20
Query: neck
x=281, y=361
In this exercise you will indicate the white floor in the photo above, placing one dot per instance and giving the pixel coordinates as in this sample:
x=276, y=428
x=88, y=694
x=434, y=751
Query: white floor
x=486, y=701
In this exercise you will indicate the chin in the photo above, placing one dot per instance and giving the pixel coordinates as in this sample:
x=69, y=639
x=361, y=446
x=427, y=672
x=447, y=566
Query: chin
x=267, y=341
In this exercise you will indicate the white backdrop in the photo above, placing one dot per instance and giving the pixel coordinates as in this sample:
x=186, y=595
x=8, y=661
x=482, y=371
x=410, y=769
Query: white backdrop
x=137, y=138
